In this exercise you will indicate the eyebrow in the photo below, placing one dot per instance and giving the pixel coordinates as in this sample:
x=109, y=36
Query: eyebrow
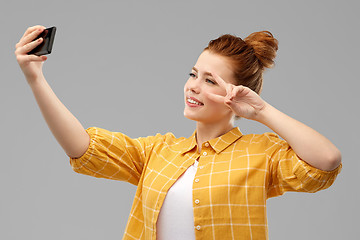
x=205, y=73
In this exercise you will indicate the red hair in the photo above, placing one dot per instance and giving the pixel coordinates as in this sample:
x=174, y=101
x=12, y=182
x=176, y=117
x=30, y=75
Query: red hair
x=248, y=57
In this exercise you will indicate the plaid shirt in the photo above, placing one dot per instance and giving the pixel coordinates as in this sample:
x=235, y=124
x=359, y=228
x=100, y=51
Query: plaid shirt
x=236, y=175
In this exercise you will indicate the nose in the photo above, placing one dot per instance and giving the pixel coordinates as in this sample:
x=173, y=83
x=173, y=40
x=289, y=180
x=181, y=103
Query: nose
x=193, y=85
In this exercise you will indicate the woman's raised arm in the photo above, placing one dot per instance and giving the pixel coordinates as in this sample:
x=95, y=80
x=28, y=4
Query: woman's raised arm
x=67, y=130
x=308, y=144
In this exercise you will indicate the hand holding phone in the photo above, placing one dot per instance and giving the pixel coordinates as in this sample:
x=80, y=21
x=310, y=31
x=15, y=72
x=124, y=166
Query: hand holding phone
x=45, y=47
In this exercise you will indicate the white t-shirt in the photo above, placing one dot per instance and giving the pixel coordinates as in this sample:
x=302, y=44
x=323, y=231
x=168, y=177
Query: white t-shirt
x=176, y=217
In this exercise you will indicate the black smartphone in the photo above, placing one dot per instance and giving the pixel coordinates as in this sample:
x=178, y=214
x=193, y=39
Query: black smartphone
x=45, y=47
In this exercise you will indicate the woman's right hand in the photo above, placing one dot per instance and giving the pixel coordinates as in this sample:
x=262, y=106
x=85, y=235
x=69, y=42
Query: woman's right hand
x=31, y=65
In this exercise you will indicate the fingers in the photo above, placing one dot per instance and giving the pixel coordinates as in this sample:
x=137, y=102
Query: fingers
x=219, y=98
x=26, y=44
x=30, y=34
x=28, y=47
x=35, y=58
x=219, y=80
x=31, y=58
x=237, y=91
x=215, y=97
x=32, y=29
x=229, y=89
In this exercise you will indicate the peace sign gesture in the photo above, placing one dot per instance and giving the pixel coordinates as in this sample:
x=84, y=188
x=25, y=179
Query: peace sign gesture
x=240, y=99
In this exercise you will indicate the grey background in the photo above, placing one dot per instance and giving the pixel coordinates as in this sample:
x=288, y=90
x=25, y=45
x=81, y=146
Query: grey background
x=121, y=65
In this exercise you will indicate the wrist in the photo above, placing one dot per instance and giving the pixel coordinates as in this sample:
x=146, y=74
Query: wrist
x=33, y=81
x=264, y=114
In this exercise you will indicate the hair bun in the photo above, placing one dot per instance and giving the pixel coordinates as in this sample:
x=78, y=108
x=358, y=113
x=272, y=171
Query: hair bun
x=265, y=47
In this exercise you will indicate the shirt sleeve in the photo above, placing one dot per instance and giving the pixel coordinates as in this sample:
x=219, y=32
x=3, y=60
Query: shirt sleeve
x=113, y=155
x=289, y=173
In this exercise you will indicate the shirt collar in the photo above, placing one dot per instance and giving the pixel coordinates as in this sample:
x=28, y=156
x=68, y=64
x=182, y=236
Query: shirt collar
x=218, y=144
x=186, y=144
x=222, y=142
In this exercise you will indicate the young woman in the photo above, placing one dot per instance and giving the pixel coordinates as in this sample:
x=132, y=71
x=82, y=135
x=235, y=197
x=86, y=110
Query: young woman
x=214, y=184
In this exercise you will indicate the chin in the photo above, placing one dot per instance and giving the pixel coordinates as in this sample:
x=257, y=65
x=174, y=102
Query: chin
x=197, y=118
x=192, y=116
x=189, y=116
x=209, y=119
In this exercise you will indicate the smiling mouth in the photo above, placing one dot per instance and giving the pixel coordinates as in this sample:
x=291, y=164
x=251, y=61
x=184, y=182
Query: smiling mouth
x=192, y=101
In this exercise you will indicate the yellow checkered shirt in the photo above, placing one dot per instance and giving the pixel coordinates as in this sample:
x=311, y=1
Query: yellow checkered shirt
x=235, y=176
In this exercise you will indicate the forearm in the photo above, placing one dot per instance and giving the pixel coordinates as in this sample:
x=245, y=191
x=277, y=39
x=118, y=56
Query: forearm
x=67, y=130
x=308, y=144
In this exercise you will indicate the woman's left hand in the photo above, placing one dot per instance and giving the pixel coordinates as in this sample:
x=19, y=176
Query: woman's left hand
x=240, y=99
x=309, y=145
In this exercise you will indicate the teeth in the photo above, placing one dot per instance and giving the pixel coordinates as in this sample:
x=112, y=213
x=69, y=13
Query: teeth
x=194, y=102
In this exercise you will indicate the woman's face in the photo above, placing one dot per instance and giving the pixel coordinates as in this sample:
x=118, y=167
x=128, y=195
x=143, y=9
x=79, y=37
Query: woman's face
x=198, y=106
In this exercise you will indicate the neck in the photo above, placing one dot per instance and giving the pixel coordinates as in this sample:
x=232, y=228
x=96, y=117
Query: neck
x=208, y=131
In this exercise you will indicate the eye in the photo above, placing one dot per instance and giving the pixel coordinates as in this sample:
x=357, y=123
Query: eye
x=210, y=81
x=192, y=75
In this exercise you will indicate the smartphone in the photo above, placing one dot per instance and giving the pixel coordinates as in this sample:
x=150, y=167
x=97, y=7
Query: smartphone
x=45, y=47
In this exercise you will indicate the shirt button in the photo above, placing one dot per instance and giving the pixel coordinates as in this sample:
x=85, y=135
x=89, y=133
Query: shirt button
x=197, y=201
x=197, y=180
x=206, y=144
x=204, y=153
x=198, y=227
x=201, y=167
